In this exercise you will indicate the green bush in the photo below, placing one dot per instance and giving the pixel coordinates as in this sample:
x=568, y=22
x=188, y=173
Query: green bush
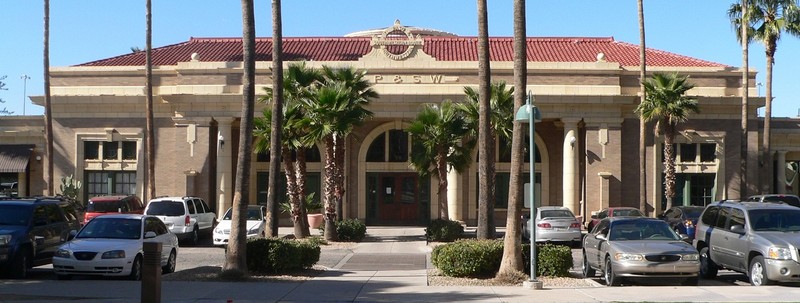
x=553, y=260
x=441, y=230
x=351, y=230
x=280, y=255
x=468, y=258
x=477, y=258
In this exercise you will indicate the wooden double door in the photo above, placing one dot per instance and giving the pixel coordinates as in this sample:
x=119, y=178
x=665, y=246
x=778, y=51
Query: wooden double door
x=397, y=198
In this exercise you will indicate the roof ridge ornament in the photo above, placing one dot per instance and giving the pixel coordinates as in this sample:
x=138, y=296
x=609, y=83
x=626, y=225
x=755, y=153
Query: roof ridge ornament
x=385, y=39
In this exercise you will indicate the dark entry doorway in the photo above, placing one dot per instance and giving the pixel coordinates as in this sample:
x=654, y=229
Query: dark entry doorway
x=396, y=199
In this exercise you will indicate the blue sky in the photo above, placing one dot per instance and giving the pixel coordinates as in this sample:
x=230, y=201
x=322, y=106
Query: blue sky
x=87, y=30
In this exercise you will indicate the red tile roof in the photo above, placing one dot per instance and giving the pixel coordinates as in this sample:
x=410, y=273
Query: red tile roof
x=562, y=49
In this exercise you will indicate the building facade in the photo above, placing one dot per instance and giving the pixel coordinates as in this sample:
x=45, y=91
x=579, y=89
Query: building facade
x=587, y=142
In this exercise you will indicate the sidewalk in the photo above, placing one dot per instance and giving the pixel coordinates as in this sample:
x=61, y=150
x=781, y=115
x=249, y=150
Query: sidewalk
x=389, y=266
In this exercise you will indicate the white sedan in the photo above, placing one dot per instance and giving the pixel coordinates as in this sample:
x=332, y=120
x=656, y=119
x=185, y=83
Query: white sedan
x=112, y=245
x=256, y=223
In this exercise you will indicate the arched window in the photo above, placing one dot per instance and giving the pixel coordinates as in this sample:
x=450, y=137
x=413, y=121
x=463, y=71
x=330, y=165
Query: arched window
x=391, y=146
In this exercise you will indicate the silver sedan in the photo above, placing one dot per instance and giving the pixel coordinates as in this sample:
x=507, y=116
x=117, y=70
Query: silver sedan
x=638, y=248
x=554, y=224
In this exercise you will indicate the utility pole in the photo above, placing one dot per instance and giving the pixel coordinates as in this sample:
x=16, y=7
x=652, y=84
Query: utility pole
x=24, y=91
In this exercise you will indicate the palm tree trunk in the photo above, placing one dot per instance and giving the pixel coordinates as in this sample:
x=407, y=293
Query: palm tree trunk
x=338, y=155
x=293, y=193
x=330, y=196
x=745, y=92
x=301, y=171
x=236, y=256
x=48, y=109
x=277, y=119
x=484, y=79
x=150, y=179
x=766, y=149
x=441, y=167
x=669, y=163
x=512, y=246
x=642, y=123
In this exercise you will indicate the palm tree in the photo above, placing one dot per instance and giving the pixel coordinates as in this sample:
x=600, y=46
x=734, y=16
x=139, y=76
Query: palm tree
x=744, y=39
x=766, y=20
x=333, y=114
x=642, y=124
x=48, y=109
x=277, y=107
x=297, y=86
x=437, y=136
x=236, y=256
x=500, y=111
x=667, y=105
x=485, y=228
x=512, y=246
x=360, y=92
x=149, y=132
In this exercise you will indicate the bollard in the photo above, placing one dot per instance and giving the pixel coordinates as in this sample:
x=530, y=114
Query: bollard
x=151, y=273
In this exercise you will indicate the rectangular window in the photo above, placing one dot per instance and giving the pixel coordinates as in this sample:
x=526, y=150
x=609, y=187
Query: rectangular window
x=91, y=150
x=125, y=182
x=708, y=152
x=501, y=189
x=398, y=146
x=129, y=150
x=688, y=152
x=262, y=157
x=98, y=183
x=110, y=151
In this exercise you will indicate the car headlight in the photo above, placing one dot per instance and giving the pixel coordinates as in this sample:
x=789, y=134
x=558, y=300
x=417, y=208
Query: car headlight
x=62, y=253
x=217, y=231
x=5, y=239
x=779, y=253
x=252, y=231
x=628, y=257
x=114, y=254
x=690, y=257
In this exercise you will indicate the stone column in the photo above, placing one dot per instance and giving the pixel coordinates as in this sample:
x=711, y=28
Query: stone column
x=453, y=206
x=570, y=164
x=780, y=169
x=224, y=164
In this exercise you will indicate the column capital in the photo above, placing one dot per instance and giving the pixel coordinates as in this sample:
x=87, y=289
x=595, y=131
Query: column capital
x=224, y=120
x=609, y=122
x=605, y=174
x=568, y=122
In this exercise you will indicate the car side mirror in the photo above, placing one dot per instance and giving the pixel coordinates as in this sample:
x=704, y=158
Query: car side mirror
x=684, y=237
x=600, y=237
x=149, y=235
x=72, y=234
x=738, y=228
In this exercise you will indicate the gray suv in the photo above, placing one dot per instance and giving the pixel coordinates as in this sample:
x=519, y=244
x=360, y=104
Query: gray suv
x=758, y=239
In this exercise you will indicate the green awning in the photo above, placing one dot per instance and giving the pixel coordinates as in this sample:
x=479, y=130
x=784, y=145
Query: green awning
x=14, y=157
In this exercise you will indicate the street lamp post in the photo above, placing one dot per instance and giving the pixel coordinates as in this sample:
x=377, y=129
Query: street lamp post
x=530, y=114
x=24, y=91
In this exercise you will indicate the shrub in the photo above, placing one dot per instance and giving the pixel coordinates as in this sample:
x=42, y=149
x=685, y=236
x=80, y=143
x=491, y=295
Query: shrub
x=351, y=230
x=280, y=255
x=441, y=230
x=552, y=260
x=468, y=258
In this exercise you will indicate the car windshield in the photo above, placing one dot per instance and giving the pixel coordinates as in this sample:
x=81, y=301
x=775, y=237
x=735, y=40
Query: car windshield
x=641, y=230
x=775, y=220
x=692, y=213
x=104, y=206
x=557, y=213
x=627, y=213
x=165, y=208
x=253, y=214
x=15, y=215
x=111, y=228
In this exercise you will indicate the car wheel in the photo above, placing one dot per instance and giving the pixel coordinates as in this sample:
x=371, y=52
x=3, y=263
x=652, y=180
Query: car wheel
x=170, y=267
x=194, y=238
x=610, y=276
x=136, y=269
x=758, y=273
x=690, y=281
x=64, y=277
x=708, y=269
x=19, y=266
x=588, y=271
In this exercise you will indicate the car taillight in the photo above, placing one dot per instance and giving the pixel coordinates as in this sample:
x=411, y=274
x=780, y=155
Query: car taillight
x=186, y=220
x=688, y=223
x=544, y=225
x=575, y=225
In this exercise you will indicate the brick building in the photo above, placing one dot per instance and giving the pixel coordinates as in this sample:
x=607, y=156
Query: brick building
x=587, y=141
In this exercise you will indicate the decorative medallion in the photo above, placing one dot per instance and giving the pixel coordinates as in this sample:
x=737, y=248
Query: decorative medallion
x=389, y=38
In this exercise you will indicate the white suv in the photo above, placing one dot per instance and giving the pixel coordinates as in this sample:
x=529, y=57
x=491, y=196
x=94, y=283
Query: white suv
x=186, y=217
